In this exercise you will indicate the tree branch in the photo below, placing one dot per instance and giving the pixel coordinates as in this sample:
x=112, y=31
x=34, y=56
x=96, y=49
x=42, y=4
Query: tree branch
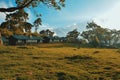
x=11, y=9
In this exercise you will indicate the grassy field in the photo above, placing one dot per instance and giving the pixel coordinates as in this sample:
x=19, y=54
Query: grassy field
x=55, y=62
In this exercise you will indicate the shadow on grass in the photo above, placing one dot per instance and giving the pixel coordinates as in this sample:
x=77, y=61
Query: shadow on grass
x=79, y=57
x=65, y=76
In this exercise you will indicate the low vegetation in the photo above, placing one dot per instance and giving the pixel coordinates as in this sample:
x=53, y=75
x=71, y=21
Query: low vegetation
x=58, y=63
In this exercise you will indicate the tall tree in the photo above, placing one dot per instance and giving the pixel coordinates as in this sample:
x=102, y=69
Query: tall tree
x=15, y=21
x=72, y=35
x=47, y=35
x=95, y=34
x=37, y=23
x=115, y=36
x=98, y=36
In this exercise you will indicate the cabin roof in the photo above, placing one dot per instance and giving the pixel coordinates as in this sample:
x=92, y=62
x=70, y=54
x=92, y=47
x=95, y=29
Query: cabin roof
x=22, y=37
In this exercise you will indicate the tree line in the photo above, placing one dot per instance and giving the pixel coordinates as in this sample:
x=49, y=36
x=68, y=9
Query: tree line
x=95, y=36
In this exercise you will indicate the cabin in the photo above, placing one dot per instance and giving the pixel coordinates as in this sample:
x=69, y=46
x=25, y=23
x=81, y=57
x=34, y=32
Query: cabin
x=63, y=39
x=51, y=39
x=24, y=40
x=47, y=39
x=55, y=39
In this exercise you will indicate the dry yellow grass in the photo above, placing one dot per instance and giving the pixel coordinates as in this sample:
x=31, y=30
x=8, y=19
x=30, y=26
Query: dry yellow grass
x=64, y=63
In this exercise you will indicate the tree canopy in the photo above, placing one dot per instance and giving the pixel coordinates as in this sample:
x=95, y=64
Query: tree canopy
x=72, y=35
x=46, y=33
x=98, y=36
x=17, y=22
x=21, y=4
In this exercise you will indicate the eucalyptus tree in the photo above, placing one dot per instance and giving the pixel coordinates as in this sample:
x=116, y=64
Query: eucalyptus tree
x=92, y=35
x=49, y=33
x=46, y=33
x=115, y=37
x=72, y=36
x=15, y=21
x=96, y=35
x=37, y=23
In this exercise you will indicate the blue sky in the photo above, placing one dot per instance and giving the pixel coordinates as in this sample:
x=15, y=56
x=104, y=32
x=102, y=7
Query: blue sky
x=75, y=14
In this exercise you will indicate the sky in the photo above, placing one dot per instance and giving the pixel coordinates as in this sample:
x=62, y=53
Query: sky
x=75, y=15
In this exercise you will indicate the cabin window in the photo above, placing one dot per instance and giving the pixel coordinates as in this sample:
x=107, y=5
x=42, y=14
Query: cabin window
x=19, y=41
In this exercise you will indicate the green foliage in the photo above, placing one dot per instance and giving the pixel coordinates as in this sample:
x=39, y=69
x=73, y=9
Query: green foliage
x=72, y=35
x=100, y=37
x=5, y=32
x=37, y=23
x=16, y=23
x=46, y=33
x=21, y=4
x=51, y=3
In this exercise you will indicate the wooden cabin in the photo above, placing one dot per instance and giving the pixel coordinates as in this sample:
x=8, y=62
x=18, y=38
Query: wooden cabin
x=50, y=39
x=23, y=40
x=55, y=39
